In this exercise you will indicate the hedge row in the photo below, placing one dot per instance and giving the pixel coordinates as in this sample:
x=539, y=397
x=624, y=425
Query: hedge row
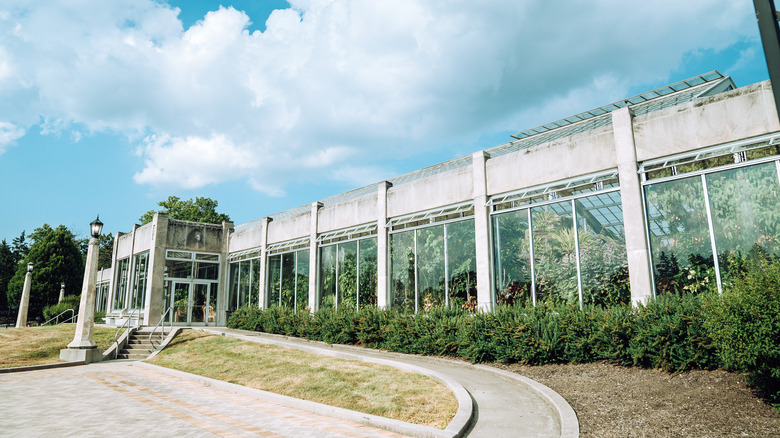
x=739, y=330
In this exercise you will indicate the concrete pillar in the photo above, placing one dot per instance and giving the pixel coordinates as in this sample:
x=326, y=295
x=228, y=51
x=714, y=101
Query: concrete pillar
x=62, y=293
x=21, y=318
x=383, y=297
x=633, y=207
x=482, y=233
x=155, y=279
x=224, y=275
x=263, y=262
x=83, y=339
x=314, y=257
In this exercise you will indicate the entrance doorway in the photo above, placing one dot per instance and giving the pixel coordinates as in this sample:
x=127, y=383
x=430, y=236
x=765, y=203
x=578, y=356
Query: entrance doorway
x=193, y=302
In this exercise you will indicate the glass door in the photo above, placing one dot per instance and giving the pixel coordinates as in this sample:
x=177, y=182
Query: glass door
x=200, y=294
x=181, y=302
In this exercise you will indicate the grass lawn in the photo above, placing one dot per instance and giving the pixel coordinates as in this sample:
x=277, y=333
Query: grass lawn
x=42, y=345
x=364, y=387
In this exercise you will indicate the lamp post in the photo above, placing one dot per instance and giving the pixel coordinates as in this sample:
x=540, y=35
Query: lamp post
x=62, y=292
x=21, y=319
x=83, y=346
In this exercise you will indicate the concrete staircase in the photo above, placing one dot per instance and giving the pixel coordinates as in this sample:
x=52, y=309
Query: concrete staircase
x=137, y=346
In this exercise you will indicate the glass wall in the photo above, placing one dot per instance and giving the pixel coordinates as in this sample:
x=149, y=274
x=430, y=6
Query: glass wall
x=288, y=280
x=556, y=250
x=138, y=295
x=348, y=274
x=244, y=284
x=101, y=298
x=434, y=266
x=734, y=212
x=120, y=283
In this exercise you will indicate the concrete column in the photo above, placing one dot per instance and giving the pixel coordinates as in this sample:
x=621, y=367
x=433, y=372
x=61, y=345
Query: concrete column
x=83, y=339
x=110, y=298
x=633, y=207
x=314, y=257
x=383, y=296
x=155, y=279
x=131, y=278
x=263, y=261
x=224, y=275
x=482, y=233
x=21, y=318
x=62, y=293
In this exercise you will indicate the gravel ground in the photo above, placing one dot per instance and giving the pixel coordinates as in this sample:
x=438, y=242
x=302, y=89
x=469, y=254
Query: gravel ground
x=614, y=401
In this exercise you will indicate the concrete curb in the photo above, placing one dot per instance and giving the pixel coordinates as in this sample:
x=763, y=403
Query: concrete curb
x=172, y=334
x=456, y=428
x=45, y=366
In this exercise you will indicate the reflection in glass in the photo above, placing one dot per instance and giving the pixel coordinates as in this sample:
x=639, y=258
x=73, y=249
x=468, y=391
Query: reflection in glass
x=462, y=265
x=512, y=258
x=367, y=267
x=555, y=257
x=287, y=287
x=347, y=275
x=274, y=269
x=122, y=275
x=679, y=236
x=402, y=275
x=328, y=277
x=302, y=276
x=430, y=267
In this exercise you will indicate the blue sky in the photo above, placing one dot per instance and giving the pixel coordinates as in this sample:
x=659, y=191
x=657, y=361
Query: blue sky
x=110, y=107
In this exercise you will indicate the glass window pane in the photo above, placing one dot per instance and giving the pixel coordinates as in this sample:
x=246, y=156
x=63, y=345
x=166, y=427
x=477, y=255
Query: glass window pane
x=367, y=268
x=207, y=271
x=462, y=264
x=603, y=261
x=679, y=236
x=121, y=284
x=213, y=257
x=232, y=302
x=179, y=255
x=402, y=271
x=745, y=204
x=302, y=292
x=555, y=260
x=139, y=289
x=328, y=277
x=430, y=267
x=347, y=273
x=512, y=256
x=178, y=269
x=272, y=285
x=288, y=280
x=243, y=284
x=254, y=286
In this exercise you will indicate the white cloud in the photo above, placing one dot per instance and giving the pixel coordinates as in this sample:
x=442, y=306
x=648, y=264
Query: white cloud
x=333, y=87
x=9, y=133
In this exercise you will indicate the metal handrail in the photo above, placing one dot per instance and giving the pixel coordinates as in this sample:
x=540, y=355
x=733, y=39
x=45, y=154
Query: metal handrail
x=116, y=335
x=161, y=324
x=57, y=318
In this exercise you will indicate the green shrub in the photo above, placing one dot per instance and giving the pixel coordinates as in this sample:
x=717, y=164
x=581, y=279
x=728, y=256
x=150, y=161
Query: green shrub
x=68, y=302
x=745, y=325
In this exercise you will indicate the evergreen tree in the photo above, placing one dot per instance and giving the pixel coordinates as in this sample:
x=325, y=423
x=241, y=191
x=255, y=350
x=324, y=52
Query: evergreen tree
x=7, y=268
x=56, y=258
x=197, y=210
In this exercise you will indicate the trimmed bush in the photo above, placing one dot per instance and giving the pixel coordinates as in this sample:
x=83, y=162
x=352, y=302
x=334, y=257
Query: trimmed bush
x=68, y=302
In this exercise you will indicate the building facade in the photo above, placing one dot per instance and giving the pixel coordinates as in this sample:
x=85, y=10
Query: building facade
x=661, y=192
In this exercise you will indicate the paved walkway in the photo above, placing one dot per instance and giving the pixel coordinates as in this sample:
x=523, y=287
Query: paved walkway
x=116, y=399
x=505, y=404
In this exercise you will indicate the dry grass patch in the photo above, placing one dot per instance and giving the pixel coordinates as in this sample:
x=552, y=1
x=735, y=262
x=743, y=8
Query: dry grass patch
x=41, y=345
x=359, y=386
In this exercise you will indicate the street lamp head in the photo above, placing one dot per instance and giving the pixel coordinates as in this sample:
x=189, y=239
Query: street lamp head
x=96, y=227
x=29, y=267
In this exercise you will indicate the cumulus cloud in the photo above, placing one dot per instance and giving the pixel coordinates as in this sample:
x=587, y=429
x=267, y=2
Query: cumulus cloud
x=332, y=88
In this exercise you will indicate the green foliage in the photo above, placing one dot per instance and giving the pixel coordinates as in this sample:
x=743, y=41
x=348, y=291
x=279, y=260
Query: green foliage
x=745, y=325
x=7, y=269
x=197, y=210
x=56, y=258
x=68, y=302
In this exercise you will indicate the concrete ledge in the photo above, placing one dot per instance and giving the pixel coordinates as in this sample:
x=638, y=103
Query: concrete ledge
x=87, y=355
x=172, y=334
x=45, y=366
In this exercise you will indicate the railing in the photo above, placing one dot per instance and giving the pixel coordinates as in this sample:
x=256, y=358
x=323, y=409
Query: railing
x=116, y=336
x=56, y=319
x=162, y=325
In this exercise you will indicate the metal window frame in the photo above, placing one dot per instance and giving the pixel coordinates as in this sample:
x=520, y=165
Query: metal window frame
x=430, y=216
x=348, y=234
x=287, y=246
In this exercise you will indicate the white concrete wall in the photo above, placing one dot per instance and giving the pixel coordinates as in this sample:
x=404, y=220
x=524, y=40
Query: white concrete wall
x=722, y=118
x=247, y=238
x=560, y=159
x=289, y=228
x=143, y=238
x=347, y=214
x=124, y=245
x=446, y=188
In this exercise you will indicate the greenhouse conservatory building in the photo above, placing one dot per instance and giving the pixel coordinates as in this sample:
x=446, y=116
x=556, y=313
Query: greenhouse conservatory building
x=659, y=193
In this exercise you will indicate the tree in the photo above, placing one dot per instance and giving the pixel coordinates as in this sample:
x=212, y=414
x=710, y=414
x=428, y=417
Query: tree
x=7, y=268
x=56, y=258
x=19, y=247
x=106, y=243
x=198, y=210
